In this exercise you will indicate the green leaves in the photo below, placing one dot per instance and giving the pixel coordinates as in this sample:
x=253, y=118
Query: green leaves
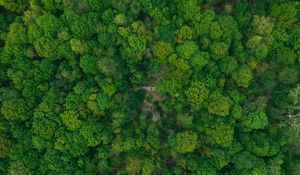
x=5, y=144
x=45, y=70
x=262, y=25
x=257, y=46
x=196, y=93
x=70, y=120
x=199, y=60
x=254, y=120
x=135, y=166
x=285, y=56
x=184, y=33
x=77, y=46
x=122, y=144
x=228, y=65
x=190, y=9
x=242, y=76
x=186, y=141
x=143, y=87
x=88, y=64
x=221, y=133
x=137, y=43
x=104, y=152
x=17, y=34
x=216, y=31
x=187, y=49
x=219, y=104
x=244, y=160
x=15, y=6
x=103, y=101
x=162, y=50
x=49, y=25
x=72, y=143
x=46, y=47
x=285, y=14
x=16, y=109
x=18, y=167
x=219, y=50
x=44, y=127
x=95, y=132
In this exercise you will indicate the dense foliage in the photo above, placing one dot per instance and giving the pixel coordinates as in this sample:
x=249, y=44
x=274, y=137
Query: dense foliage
x=147, y=87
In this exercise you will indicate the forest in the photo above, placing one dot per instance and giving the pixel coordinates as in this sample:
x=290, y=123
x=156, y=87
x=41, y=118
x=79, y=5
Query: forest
x=149, y=87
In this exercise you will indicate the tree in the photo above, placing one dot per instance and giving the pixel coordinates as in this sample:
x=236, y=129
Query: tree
x=262, y=25
x=152, y=142
x=16, y=6
x=184, y=33
x=228, y=65
x=70, y=143
x=184, y=120
x=220, y=158
x=109, y=67
x=53, y=161
x=77, y=46
x=46, y=47
x=5, y=144
x=206, y=167
x=78, y=25
x=288, y=75
x=162, y=50
x=137, y=43
x=199, y=60
x=15, y=109
x=135, y=165
x=169, y=86
x=88, y=64
x=285, y=56
x=186, y=141
x=187, y=49
x=42, y=34
x=44, y=127
x=120, y=19
x=216, y=31
x=196, y=93
x=285, y=14
x=260, y=145
x=18, y=167
x=189, y=9
x=17, y=34
x=219, y=50
x=103, y=101
x=244, y=160
x=221, y=133
x=268, y=79
x=257, y=46
x=242, y=76
x=254, y=120
x=122, y=144
x=70, y=119
x=104, y=152
x=203, y=28
x=144, y=87
x=292, y=111
x=95, y=133
x=218, y=104
x=45, y=69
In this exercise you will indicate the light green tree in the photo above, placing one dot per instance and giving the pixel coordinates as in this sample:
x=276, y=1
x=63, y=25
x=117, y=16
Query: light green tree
x=71, y=119
x=218, y=104
x=186, y=141
x=242, y=76
x=197, y=93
